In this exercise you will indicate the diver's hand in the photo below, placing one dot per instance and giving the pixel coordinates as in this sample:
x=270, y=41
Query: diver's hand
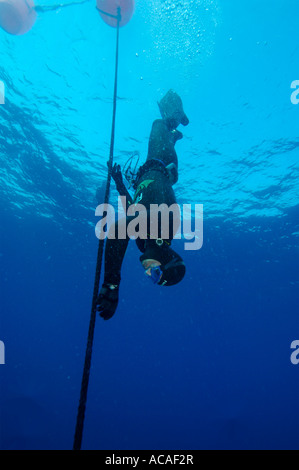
x=107, y=301
x=116, y=174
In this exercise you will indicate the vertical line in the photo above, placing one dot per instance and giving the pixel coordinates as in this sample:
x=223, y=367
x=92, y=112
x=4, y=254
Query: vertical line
x=87, y=364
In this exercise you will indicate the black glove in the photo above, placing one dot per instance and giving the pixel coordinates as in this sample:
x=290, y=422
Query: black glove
x=117, y=175
x=107, y=301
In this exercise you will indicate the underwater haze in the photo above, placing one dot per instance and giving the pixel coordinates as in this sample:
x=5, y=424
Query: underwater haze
x=202, y=365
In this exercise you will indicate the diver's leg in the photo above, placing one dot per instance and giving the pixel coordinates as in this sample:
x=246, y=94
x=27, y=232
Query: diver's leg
x=164, y=132
x=162, y=141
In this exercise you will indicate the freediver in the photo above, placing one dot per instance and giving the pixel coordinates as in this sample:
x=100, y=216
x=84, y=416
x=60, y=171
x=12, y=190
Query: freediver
x=153, y=185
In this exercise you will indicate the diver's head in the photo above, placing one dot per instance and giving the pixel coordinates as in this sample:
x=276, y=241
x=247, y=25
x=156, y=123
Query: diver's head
x=152, y=269
x=163, y=265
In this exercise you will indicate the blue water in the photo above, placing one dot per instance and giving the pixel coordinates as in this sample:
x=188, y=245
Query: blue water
x=204, y=365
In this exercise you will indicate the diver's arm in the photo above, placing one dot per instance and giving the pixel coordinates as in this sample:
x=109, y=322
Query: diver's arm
x=114, y=254
x=120, y=186
x=107, y=300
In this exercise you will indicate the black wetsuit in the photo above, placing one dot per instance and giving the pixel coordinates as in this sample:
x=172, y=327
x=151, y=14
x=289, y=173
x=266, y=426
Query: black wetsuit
x=153, y=186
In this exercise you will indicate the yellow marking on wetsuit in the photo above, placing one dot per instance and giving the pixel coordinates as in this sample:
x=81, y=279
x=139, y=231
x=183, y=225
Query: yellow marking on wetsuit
x=142, y=186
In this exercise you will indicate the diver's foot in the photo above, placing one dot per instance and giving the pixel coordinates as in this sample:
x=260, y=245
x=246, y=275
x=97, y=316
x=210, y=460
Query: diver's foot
x=176, y=135
x=171, y=109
